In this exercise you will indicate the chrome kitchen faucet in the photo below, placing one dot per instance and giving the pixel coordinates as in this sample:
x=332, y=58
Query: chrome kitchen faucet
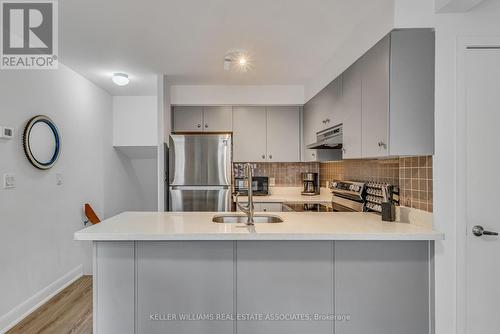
x=249, y=208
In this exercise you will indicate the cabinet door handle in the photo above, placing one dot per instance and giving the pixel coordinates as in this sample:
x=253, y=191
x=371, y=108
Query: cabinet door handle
x=264, y=209
x=199, y=126
x=206, y=125
x=270, y=156
x=382, y=144
x=343, y=150
x=327, y=120
x=263, y=156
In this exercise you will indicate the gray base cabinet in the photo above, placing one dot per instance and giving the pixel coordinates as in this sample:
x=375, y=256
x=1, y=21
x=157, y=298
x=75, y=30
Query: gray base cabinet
x=151, y=287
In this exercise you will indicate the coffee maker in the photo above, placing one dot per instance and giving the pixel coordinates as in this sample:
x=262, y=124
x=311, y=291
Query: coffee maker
x=310, y=183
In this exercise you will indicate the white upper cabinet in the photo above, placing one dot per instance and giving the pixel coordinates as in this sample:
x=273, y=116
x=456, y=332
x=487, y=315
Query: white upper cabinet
x=203, y=119
x=218, y=119
x=249, y=134
x=135, y=121
x=351, y=112
x=375, y=100
x=188, y=119
x=283, y=143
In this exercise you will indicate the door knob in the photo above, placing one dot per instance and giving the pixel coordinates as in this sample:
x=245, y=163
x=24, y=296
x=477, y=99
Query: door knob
x=478, y=231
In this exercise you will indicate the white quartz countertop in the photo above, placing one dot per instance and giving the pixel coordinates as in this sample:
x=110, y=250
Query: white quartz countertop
x=296, y=226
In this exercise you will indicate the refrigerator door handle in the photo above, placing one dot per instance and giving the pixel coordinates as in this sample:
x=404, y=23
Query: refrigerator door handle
x=199, y=187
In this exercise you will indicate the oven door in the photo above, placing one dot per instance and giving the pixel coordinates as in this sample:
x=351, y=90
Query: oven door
x=341, y=204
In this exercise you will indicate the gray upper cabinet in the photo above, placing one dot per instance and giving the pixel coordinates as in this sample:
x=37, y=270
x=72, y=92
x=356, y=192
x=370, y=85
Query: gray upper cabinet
x=387, y=100
x=188, y=119
x=351, y=112
x=218, y=119
x=283, y=134
x=249, y=134
x=269, y=134
x=375, y=100
x=203, y=119
x=398, y=95
x=322, y=112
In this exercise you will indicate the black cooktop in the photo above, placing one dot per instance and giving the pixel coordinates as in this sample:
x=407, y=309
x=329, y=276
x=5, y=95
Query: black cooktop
x=316, y=207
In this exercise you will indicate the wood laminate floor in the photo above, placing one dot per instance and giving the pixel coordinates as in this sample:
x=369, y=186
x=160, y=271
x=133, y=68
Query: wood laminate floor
x=70, y=311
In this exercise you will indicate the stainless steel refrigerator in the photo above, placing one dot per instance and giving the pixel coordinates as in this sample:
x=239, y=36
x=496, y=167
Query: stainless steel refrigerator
x=200, y=172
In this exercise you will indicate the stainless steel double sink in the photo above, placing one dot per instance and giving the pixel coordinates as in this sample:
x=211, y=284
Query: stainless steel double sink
x=242, y=219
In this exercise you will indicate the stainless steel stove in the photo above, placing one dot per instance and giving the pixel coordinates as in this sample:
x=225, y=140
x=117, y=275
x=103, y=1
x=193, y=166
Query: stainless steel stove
x=348, y=196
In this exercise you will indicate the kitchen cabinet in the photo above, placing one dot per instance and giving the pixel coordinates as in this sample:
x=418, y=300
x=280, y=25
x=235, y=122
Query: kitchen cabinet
x=218, y=119
x=351, y=112
x=188, y=119
x=387, y=100
x=375, y=100
x=249, y=134
x=369, y=274
x=202, y=119
x=283, y=277
x=283, y=143
x=266, y=134
x=270, y=207
x=322, y=112
x=398, y=95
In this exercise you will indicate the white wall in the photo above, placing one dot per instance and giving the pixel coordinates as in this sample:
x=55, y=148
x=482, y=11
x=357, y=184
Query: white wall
x=38, y=218
x=135, y=121
x=480, y=21
x=234, y=95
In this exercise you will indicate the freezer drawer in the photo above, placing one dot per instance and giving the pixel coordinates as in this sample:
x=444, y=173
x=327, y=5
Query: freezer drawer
x=200, y=199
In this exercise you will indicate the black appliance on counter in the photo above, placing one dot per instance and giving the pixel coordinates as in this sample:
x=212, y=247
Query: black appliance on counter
x=310, y=183
x=260, y=186
x=348, y=196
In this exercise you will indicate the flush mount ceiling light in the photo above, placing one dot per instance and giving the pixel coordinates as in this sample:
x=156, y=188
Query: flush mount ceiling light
x=238, y=60
x=121, y=79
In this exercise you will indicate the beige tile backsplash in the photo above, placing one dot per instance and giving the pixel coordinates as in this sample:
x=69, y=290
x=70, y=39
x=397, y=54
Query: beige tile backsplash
x=285, y=174
x=413, y=175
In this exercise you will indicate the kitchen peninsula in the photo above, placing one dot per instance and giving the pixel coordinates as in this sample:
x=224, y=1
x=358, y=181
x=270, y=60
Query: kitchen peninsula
x=314, y=272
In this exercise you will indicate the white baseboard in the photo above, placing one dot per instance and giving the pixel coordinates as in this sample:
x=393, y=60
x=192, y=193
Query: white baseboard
x=21, y=311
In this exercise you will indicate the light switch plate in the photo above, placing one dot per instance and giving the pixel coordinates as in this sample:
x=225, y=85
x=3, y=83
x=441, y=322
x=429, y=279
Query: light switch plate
x=6, y=132
x=9, y=181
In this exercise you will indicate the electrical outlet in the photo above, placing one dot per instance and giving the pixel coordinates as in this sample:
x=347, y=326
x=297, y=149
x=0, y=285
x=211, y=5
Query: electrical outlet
x=9, y=181
x=272, y=182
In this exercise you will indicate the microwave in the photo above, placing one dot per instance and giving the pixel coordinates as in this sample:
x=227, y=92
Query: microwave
x=260, y=186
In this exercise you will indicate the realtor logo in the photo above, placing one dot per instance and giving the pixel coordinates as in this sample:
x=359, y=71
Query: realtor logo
x=29, y=34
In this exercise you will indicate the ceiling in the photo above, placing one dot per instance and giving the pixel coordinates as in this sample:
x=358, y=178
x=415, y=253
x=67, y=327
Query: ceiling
x=289, y=40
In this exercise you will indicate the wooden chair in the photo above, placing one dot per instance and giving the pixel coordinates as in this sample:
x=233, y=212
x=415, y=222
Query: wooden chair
x=91, y=215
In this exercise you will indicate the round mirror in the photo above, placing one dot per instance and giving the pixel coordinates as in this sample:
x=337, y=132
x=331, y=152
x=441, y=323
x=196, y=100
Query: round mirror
x=41, y=142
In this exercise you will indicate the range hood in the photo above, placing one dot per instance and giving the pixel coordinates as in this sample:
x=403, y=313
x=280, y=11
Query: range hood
x=328, y=139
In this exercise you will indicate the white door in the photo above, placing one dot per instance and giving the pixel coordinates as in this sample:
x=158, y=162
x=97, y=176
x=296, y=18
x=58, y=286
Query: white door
x=482, y=93
x=218, y=119
x=249, y=134
x=283, y=142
